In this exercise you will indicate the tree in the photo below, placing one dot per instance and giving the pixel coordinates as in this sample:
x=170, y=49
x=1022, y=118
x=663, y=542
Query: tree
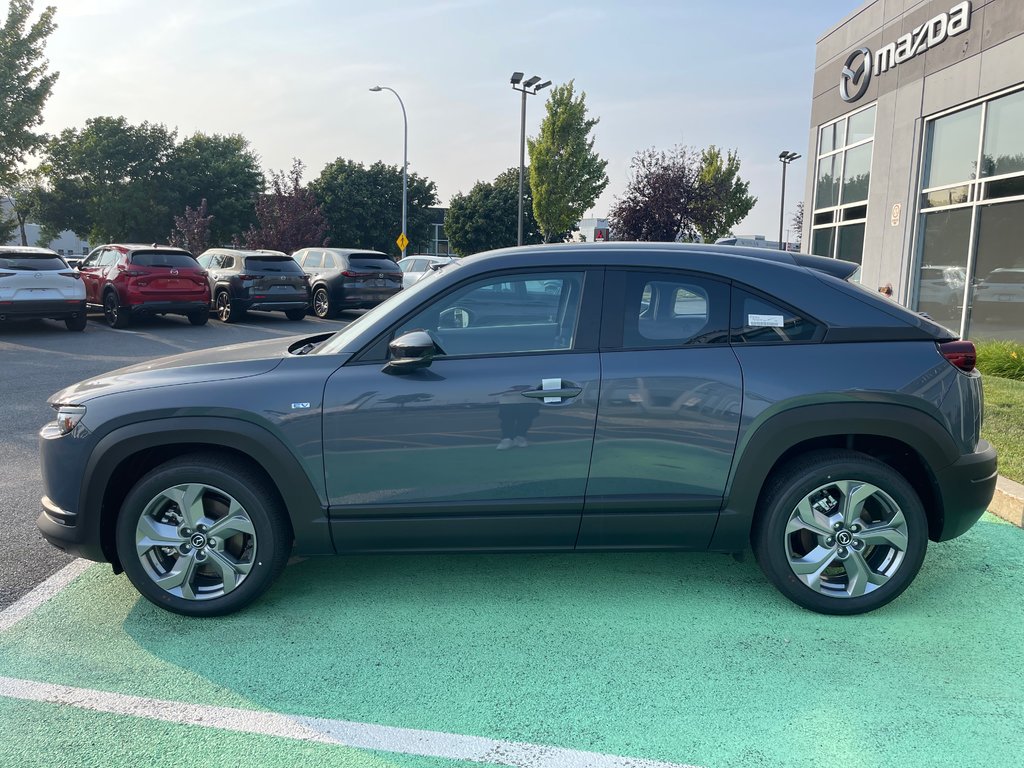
x=223, y=171
x=111, y=181
x=679, y=195
x=566, y=174
x=8, y=227
x=798, y=223
x=23, y=199
x=25, y=84
x=722, y=196
x=288, y=217
x=192, y=229
x=363, y=205
x=488, y=216
x=660, y=202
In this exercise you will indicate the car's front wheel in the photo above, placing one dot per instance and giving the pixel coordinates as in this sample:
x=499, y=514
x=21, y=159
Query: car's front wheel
x=840, y=532
x=203, y=535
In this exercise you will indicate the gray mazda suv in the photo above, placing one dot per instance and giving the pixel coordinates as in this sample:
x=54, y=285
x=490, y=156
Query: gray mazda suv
x=559, y=398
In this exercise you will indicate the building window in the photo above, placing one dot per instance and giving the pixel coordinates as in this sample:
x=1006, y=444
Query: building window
x=843, y=183
x=970, y=269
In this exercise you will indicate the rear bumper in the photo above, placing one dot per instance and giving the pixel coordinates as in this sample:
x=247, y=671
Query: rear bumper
x=57, y=309
x=266, y=305
x=353, y=298
x=966, y=487
x=168, y=307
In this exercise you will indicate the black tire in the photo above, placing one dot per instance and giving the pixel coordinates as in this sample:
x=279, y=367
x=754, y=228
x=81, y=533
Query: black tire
x=227, y=310
x=837, y=588
x=76, y=323
x=295, y=314
x=199, y=318
x=321, y=305
x=225, y=478
x=113, y=312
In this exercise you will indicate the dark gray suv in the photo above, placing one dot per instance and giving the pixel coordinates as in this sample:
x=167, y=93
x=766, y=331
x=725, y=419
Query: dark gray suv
x=647, y=397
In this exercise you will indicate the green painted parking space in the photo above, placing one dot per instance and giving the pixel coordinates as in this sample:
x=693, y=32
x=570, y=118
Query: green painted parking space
x=685, y=658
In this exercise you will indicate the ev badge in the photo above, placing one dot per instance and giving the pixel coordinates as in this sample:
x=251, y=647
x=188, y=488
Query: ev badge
x=859, y=78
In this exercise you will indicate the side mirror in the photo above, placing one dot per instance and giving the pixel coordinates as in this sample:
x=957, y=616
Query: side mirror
x=410, y=352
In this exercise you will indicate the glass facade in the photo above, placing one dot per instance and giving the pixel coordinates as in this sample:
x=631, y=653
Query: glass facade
x=843, y=182
x=970, y=273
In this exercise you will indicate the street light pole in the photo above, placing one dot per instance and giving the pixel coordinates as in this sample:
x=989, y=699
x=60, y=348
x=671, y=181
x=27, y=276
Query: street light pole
x=530, y=87
x=785, y=158
x=405, y=157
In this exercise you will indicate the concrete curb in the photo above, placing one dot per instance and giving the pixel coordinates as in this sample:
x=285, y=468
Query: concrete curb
x=1008, y=502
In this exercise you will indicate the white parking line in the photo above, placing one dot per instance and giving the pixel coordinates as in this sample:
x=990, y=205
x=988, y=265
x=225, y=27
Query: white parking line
x=384, y=738
x=46, y=590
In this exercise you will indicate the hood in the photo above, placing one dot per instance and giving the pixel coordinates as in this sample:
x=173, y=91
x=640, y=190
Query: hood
x=237, y=361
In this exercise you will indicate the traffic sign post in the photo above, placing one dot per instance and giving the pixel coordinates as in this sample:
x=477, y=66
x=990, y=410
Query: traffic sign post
x=402, y=242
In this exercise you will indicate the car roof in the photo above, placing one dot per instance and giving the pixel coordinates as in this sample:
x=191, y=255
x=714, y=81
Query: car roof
x=684, y=252
x=143, y=247
x=348, y=251
x=15, y=250
x=245, y=252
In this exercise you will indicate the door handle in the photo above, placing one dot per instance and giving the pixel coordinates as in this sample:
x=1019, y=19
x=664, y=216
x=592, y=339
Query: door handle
x=553, y=391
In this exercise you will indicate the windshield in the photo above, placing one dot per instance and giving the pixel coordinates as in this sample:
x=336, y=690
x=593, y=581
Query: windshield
x=32, y=262
x=273, y=264
x=409, y=297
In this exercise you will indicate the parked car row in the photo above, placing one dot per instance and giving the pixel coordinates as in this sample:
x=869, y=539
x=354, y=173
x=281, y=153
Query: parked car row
x=127, y=281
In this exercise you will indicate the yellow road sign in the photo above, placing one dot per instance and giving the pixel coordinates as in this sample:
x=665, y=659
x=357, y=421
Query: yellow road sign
x=402, y=241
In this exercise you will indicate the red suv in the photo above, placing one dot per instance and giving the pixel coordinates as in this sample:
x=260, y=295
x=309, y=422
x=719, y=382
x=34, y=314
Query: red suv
x=129, y=281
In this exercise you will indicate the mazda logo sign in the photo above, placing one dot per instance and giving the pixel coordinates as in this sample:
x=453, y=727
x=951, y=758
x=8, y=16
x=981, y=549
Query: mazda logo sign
x=854, y=81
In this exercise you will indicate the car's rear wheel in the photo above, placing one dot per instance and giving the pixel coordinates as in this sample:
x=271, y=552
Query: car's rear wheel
x=227, y=310
x=76, y=323
x=115, y=315
x=840, y=532
x=199, y=318
x=203, y=535
x=295, y=314
x=322, y=303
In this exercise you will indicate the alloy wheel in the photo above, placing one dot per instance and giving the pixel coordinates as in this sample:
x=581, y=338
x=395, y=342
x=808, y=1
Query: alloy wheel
x=321, y=303
x=223, y=307
x=195, y=541
x=110, y=308
x=846, y=539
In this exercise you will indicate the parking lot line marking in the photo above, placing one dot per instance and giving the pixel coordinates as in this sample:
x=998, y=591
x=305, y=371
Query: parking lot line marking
x=381, y=738
x=46, y=590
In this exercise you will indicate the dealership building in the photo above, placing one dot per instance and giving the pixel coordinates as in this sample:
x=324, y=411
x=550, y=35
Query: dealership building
x=916, y=157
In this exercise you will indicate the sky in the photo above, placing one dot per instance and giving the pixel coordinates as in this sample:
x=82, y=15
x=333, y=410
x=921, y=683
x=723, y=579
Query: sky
x=293, y=76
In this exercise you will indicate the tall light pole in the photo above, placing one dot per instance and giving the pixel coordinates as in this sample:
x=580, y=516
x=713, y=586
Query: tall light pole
x=405, y=161
x=529, y=87
x=785, y=158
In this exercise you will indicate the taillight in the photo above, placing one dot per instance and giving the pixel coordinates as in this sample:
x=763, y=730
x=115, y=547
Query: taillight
x=75, y=275
x=7, y=274
x=347, y=273
x=248, y=277
x=961, y=354
x=129, y=272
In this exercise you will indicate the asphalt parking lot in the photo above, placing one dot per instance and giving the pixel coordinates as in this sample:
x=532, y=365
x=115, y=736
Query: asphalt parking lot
x=546, y=660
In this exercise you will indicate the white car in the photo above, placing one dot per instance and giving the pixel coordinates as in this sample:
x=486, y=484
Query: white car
x=37, y=283
x=1001, y=293
x=415, y=267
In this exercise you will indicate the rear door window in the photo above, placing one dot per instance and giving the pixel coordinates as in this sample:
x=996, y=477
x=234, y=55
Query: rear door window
x=670, y=309
x=314, y=260
x=329, y=261
x=759, y=320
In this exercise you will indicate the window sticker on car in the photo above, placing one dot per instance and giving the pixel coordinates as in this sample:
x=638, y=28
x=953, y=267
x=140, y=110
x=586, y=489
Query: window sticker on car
x=765, y=321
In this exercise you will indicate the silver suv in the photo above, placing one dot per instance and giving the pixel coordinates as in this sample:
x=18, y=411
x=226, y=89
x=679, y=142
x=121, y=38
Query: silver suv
x=37, y=283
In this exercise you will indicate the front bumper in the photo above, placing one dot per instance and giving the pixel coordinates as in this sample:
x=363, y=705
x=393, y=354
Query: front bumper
x=56, y=309
x=966, y=488
x=65, y=521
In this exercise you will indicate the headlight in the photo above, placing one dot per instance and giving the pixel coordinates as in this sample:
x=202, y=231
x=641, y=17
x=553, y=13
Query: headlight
x=68, y=417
